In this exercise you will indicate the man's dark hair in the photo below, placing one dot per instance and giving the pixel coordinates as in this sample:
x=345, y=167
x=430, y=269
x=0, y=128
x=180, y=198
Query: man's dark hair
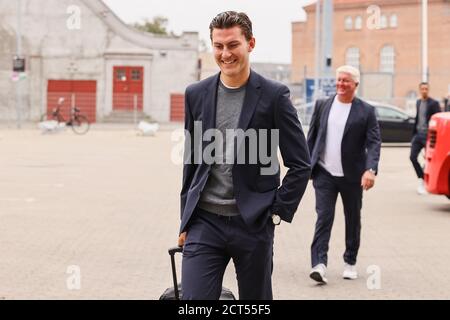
x=230, y=19
x=423, y=83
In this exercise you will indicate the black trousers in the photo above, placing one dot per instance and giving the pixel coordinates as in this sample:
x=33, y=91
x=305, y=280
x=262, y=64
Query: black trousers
x=327, y=188
x=419, y=141
x=212, y=241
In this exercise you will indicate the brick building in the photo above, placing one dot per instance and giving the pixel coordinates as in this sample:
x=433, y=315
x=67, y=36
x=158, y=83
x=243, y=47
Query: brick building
x=382, y=38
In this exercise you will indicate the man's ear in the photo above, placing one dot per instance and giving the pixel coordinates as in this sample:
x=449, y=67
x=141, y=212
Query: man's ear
x=251, y=44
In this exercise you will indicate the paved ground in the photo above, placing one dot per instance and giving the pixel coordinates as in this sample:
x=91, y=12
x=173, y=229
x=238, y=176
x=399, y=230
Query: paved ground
x=107, y=202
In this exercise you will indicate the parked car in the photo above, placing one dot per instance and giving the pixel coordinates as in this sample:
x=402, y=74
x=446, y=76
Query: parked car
x=395, y=124
x=304, y=112
x=437, y=155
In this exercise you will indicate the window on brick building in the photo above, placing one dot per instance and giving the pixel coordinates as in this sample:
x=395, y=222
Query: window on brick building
x=348, y=23
x=352, y=57
x=383, y=22
x=358, y=23
x=393, y=23
x=387, y=59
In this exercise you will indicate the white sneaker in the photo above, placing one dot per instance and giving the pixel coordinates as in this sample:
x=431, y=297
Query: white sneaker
x=421, y=188
x=318, y=273
x=350, y=272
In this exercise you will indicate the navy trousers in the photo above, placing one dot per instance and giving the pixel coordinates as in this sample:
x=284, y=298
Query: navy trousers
x=212, y=241
x=327, y=188
x=418, y=142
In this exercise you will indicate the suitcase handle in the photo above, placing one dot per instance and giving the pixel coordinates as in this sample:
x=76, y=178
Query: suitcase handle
x=175, y=250
x=172, y=253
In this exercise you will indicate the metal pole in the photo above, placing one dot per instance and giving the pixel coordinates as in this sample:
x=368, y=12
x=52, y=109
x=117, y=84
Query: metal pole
x=305, y=75
x=317, y=50
x=327, y=38
x=425, y=40
x=19, y=55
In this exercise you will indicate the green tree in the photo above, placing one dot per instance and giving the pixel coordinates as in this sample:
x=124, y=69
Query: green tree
x=156, y=26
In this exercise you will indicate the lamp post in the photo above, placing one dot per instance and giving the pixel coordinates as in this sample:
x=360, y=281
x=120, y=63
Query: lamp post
x=19, y=55
x=327, y=39
x=425, y=40
x=317, y=53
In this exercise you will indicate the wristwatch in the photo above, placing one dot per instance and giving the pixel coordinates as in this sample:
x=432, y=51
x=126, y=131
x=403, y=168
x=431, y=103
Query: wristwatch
x=276, y=220
x=372, y=171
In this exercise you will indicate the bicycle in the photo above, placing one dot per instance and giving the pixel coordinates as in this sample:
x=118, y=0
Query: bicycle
x=79, y=123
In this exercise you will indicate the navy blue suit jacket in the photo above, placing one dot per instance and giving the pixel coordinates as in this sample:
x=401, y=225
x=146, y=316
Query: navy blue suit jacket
x=361, y=143
x=266, y=106
x=432, y=108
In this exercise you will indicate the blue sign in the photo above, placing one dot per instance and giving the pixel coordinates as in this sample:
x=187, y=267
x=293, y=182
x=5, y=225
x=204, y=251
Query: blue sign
x=327, y=87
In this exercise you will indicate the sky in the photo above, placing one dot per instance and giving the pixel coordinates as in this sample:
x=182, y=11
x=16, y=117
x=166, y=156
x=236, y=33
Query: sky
x=271, y=20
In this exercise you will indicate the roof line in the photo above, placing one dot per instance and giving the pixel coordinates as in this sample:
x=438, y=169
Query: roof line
x=143, y=39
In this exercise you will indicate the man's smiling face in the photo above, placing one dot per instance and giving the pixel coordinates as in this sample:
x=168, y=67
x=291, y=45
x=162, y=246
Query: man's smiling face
x=232, y=51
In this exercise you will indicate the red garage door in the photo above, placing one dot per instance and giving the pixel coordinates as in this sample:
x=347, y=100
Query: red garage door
x=80, y=93
x=177, y=107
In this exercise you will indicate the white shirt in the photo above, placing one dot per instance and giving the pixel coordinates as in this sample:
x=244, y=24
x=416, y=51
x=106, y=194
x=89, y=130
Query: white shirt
x=331, y=157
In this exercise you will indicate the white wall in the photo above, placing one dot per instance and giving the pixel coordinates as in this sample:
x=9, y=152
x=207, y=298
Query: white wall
x=55, y=52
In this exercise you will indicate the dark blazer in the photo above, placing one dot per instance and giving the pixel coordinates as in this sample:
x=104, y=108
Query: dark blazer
x=361, y=143
x=432, y=108
x=266, y=106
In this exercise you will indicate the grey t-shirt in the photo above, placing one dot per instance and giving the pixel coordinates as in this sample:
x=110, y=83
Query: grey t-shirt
x=218, y=195
x=422, y=125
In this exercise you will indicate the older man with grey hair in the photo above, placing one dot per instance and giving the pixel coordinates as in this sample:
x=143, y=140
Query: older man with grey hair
x=344, y=142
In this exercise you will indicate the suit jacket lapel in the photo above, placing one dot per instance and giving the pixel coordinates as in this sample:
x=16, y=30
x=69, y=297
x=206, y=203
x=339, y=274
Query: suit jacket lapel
x=324, y=120
x=210, y=105
x=252, y=94
x=428, y=109
x=352, y=116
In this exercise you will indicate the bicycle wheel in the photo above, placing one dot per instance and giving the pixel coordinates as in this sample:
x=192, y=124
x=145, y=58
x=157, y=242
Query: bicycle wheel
x=80, y=125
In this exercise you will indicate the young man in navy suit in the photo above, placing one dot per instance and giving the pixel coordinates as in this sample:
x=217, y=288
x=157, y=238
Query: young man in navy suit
x=426, y=107
x=344, y=141
x=229, y=208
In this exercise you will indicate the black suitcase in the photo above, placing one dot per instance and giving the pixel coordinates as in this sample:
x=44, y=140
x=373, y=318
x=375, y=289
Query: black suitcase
x=175, y=292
